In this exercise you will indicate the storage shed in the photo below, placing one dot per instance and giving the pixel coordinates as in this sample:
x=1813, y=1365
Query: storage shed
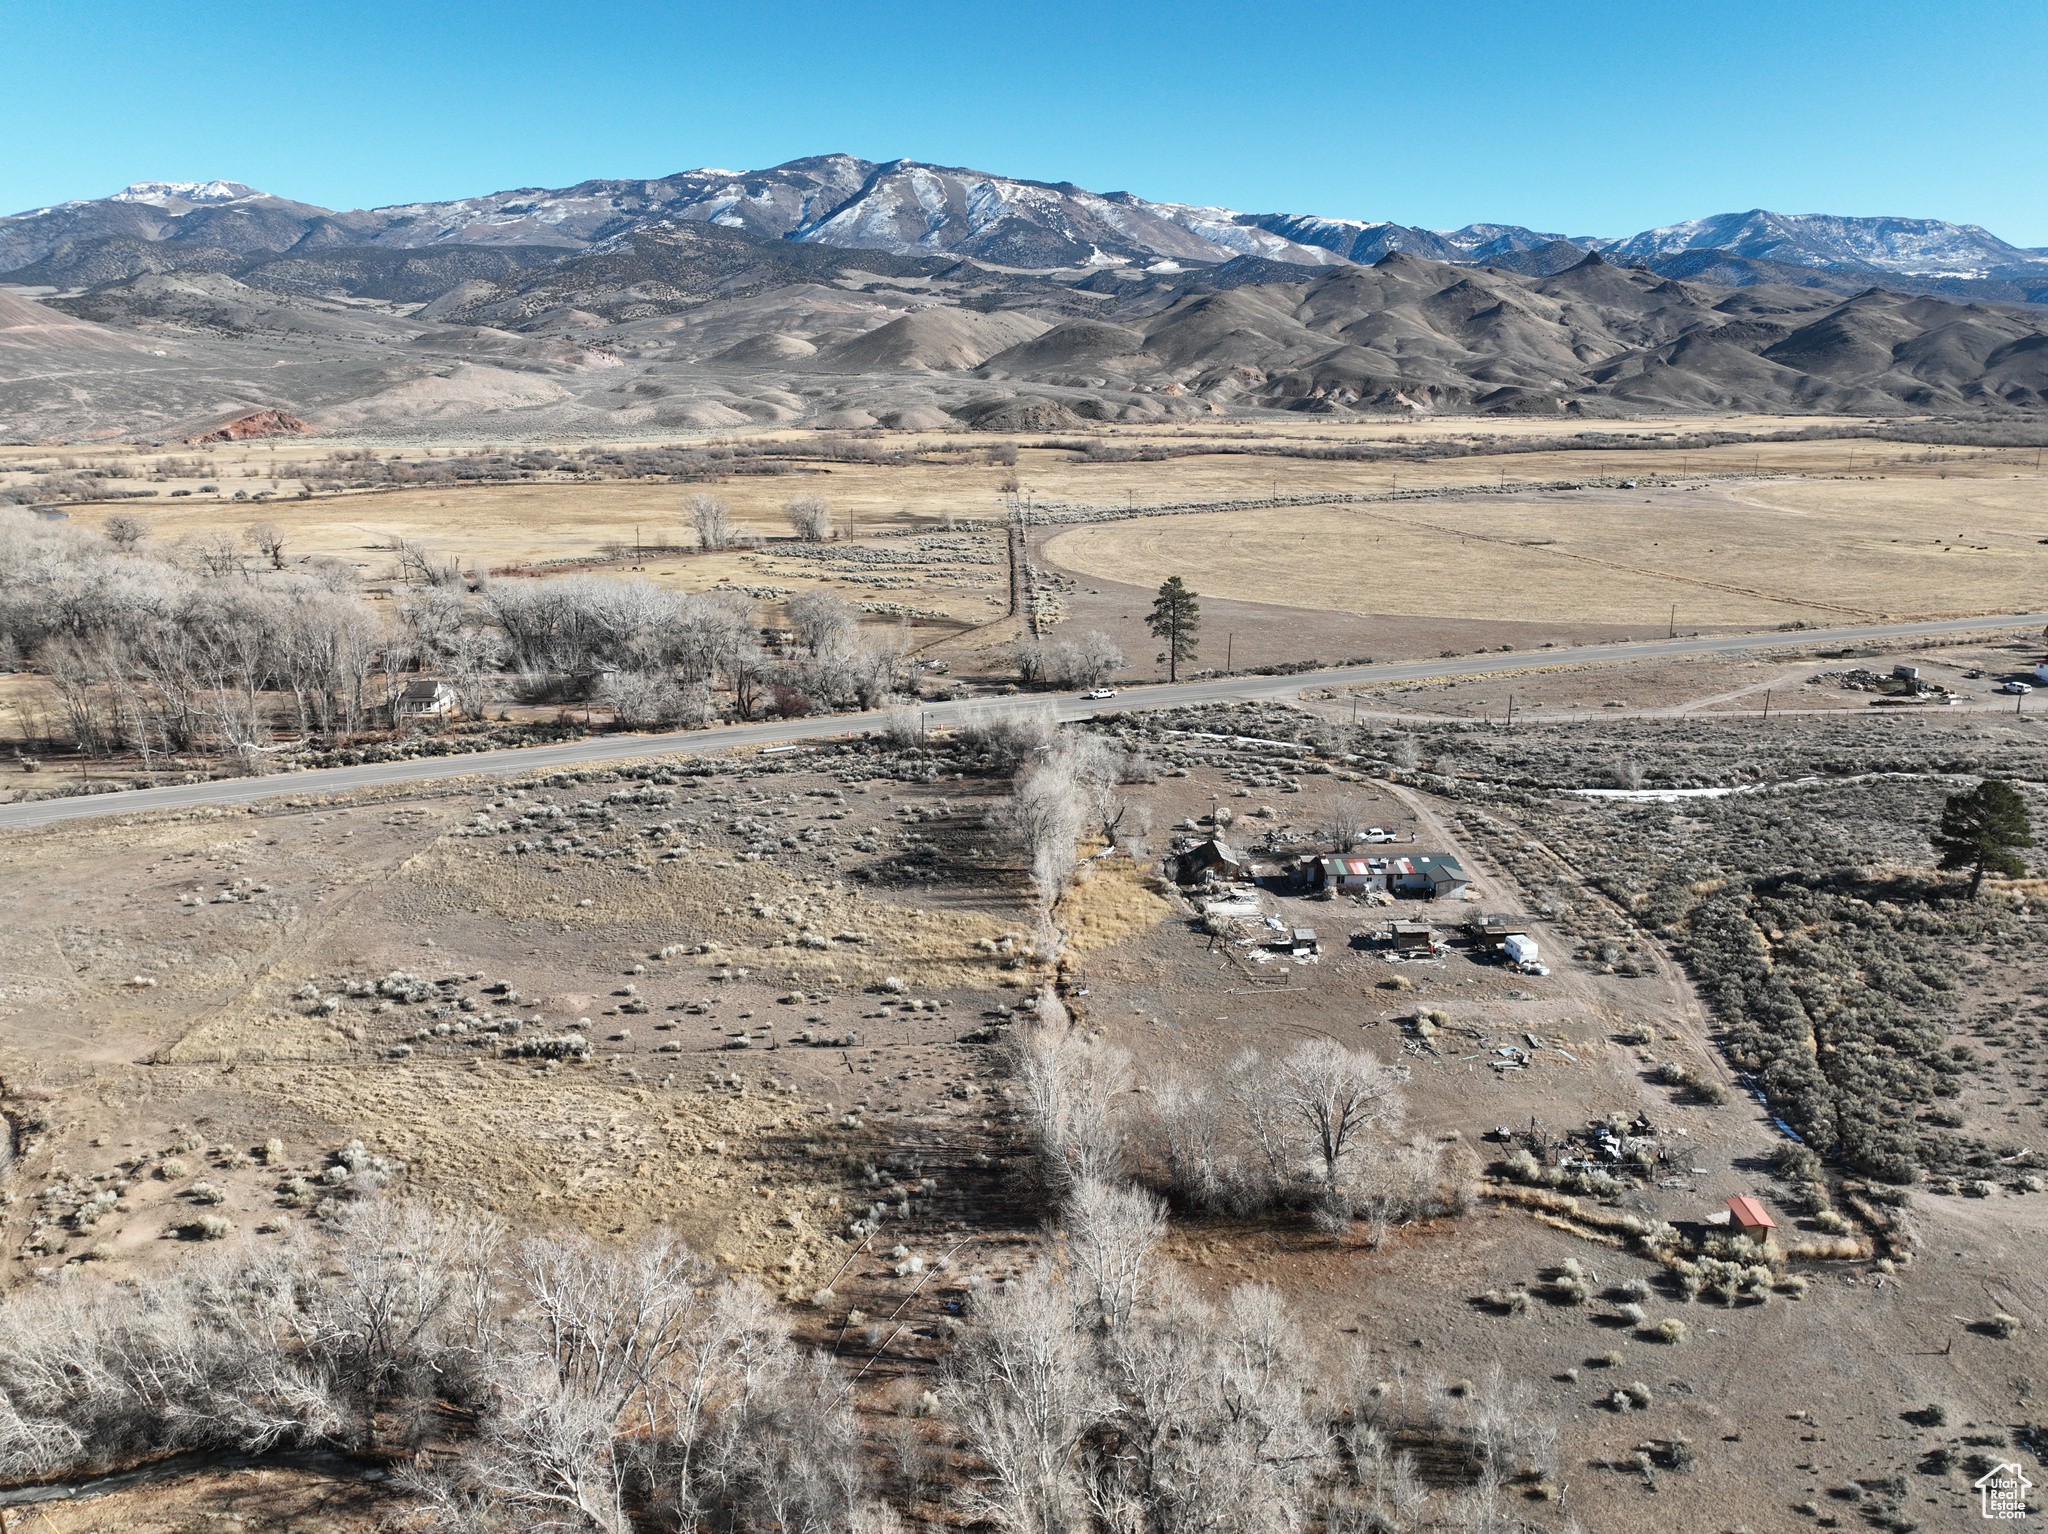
x=1412, y=936
x=1750, y=1217
x=1490, y=934
x=1212, y=857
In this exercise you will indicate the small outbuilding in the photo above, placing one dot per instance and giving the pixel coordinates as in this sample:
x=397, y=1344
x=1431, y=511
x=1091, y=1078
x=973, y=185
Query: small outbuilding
x=1750, y=1217
x=1412, y=936
x=1490, y=934
x=1212, y=857
x=1304, y=942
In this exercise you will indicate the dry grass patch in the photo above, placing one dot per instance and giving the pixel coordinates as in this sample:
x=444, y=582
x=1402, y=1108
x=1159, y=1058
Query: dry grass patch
x=1113, y=899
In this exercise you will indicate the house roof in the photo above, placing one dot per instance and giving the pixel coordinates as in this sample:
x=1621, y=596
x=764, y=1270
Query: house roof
x=424, y=692
x=1749, y=1214
x=1350, y=867
x=1217, y=848
x=1434, y=866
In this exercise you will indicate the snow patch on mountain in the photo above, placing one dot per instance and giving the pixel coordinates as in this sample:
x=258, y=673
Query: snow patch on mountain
x=1916, y=246
x=158, y=193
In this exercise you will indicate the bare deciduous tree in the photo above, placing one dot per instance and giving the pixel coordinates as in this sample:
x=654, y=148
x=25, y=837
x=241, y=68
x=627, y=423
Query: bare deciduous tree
x=1087, y=661
x=1338, y=1096
x=1069, y=1084
x=1093, y=659
x=823, y=621
x=1100, y=768
x=709, y=516
x=1111, y=1233
x=126, y=531
x=421, y=566
x=267, y=538
x=1192, y=1137
x=1029, y=654
x=217, y=554
x=810, y=517
x=1044, y=812
x=1024, y=1395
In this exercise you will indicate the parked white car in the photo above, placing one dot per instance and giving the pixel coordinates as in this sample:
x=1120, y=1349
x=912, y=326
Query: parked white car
x=1100, y=692
x=2015, y=687
x=1375, y=834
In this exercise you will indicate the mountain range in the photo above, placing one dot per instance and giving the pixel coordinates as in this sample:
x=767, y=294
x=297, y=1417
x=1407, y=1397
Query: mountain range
x=845, y=291
x=909, y=209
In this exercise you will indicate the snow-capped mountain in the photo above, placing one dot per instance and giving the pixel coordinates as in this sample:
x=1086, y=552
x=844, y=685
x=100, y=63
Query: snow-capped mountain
x=909, y=208
x=914, y=209
x=163, y=193
x=771, y=202
x=1919, y=246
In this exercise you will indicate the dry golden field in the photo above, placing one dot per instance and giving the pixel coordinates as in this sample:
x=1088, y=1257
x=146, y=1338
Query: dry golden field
x=1832, y=531
x=1746, y=553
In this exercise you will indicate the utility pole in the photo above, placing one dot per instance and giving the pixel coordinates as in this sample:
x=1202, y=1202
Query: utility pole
x=1767, y=706
x=1674, y=621
x=1229, y=646
x=1511, y=711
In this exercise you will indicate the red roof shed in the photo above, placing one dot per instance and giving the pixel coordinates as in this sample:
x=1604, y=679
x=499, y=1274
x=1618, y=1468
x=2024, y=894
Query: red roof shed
x=1751, y=1218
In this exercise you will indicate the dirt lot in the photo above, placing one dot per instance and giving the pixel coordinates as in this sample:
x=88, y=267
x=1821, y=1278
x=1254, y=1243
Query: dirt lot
x=155, y=973
x=1846, y=1363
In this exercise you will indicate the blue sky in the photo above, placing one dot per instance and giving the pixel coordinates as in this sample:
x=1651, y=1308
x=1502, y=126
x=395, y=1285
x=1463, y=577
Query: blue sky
x=1583, y=118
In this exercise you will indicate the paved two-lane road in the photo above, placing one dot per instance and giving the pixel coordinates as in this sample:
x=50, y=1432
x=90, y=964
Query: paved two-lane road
x=619, y=748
